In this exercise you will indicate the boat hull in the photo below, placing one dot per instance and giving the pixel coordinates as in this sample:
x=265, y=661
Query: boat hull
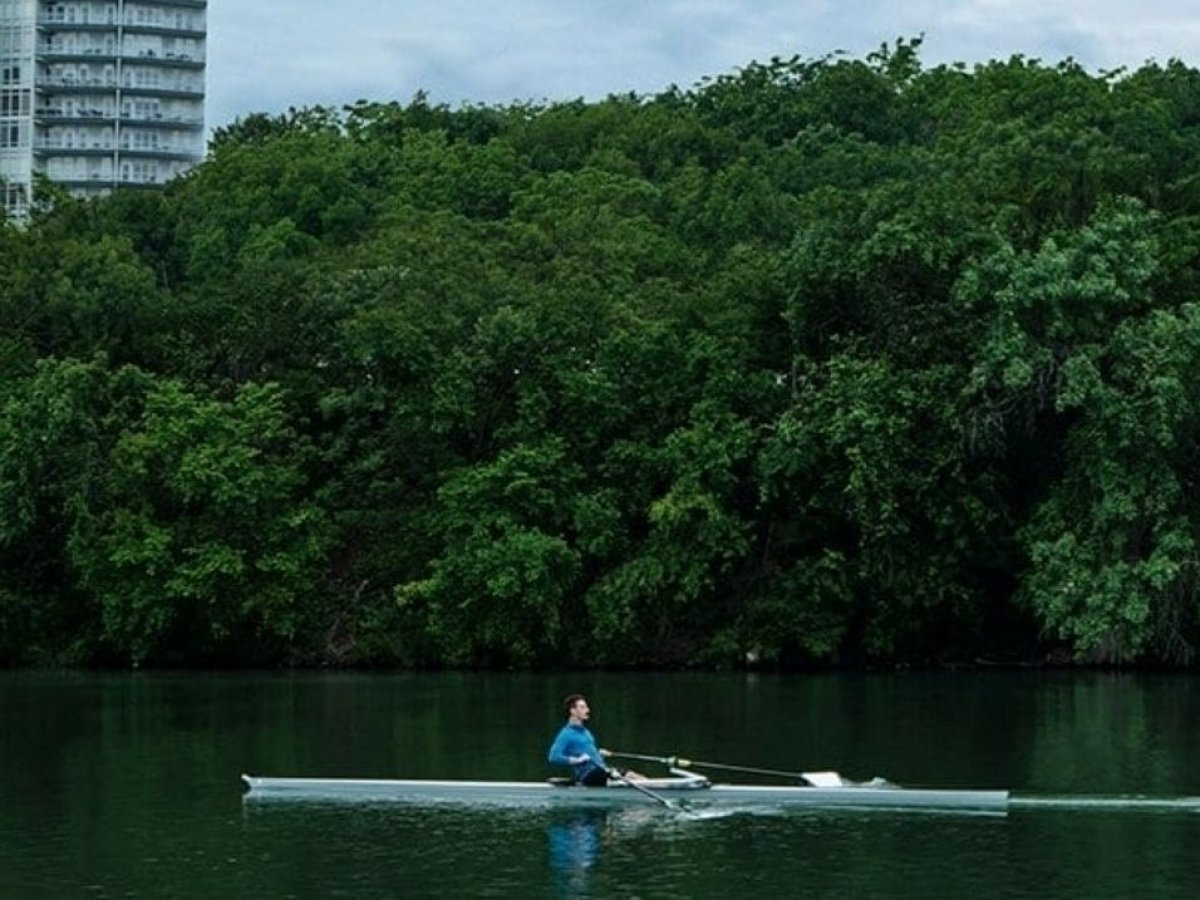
x=687, y=791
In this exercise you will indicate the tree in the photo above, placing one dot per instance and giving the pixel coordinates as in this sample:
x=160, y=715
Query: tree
x=199, y=541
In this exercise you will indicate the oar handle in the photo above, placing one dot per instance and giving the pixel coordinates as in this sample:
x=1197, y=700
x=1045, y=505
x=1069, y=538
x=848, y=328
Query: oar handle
x=678, y=762
x=672, y=761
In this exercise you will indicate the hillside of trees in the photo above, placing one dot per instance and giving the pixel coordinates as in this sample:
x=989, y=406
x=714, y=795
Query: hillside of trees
x=820, y=362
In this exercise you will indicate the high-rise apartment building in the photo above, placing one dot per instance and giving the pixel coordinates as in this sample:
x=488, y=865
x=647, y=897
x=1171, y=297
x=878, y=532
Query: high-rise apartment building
x=99, y=94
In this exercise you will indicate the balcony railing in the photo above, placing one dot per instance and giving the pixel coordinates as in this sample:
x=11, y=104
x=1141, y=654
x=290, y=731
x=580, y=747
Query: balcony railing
x=94, y=83
x=71, y=82
x=56, y=112
x=59, y=148
x=180, y=60
x=178, y=153
x=61, y=23
x=60, y=144
x=108, y=179
x=187, y=59
x=165, y=29
x=107, y=115
x=92, y=20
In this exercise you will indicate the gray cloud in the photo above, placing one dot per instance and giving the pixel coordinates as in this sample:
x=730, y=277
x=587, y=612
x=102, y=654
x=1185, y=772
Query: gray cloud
x=268, y=55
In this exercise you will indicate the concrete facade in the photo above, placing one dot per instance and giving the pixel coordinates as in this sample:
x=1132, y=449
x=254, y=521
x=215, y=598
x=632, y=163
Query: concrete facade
x=99, y=94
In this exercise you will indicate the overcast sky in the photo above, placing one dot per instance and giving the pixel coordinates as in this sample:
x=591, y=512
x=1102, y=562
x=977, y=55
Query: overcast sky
x=267, y=55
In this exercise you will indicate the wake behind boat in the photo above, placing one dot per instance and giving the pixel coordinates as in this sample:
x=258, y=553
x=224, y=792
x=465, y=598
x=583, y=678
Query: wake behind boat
x=686, y=786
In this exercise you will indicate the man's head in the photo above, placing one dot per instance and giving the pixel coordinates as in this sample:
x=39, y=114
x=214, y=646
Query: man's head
x=576, y=707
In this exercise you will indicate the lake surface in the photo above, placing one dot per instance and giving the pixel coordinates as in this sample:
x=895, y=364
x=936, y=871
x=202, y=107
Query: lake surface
x=116, y=786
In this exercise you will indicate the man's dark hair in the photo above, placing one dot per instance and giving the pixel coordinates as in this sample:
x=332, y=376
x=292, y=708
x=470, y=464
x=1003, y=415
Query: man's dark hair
x=570, y=700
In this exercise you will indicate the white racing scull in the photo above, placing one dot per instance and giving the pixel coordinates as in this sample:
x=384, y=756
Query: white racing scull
x=688, y=787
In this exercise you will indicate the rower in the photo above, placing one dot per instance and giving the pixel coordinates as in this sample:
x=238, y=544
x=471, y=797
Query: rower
x=575, y=747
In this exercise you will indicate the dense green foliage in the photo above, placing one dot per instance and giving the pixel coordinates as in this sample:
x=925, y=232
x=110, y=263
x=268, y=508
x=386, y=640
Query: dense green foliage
x=820, y=361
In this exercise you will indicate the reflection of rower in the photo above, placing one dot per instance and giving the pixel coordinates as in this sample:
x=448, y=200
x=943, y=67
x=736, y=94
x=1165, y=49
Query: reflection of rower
x=574, y=746
x=575, y=844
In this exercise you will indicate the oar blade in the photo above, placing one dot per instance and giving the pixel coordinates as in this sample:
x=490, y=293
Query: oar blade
x=823, y=779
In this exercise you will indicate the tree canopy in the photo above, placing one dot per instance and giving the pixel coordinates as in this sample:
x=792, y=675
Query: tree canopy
x=831, y=361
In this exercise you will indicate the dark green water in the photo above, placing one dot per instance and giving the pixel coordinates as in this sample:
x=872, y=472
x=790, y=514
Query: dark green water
x=127, y=786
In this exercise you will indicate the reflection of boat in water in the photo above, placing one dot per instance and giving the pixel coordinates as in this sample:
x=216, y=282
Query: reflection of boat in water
x=687, y=787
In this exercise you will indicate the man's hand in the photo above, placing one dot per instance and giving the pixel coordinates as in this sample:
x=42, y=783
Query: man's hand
x=605, y=753
x=581, y=758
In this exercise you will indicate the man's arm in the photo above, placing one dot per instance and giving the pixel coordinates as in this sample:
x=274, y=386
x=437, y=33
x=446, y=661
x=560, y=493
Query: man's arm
x=561, y=751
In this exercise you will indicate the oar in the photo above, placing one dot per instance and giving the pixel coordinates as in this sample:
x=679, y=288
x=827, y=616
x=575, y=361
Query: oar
x=657, y=798
x=678, y=762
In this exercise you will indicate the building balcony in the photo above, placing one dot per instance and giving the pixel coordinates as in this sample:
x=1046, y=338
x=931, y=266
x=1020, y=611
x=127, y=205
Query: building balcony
x=71, y=85
x=51, y=115
x=159, y=121
x=108, y=181
x=164, y=30
x=88, y=54
x=54, y=116
x=49, y=23
x=93, y=85
x=141, y=57
x=172, y=60
x=93, y=181
x=48, y=148
x=167, y=92
x=61, y=26
x=166, y=153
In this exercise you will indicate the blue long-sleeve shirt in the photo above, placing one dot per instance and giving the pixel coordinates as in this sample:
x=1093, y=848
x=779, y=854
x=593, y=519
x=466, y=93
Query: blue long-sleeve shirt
x=575, y=740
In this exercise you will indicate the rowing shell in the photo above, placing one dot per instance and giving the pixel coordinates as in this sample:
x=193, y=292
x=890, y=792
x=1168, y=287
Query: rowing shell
x=688, y=788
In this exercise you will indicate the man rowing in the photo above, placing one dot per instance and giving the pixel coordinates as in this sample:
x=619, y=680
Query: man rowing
x=575, y=747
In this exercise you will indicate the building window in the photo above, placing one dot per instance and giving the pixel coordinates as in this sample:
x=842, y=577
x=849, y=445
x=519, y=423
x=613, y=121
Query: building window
x=14, y=197
x=14, y=103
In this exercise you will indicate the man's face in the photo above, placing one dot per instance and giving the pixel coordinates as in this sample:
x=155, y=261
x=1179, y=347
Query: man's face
x=580, y=711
